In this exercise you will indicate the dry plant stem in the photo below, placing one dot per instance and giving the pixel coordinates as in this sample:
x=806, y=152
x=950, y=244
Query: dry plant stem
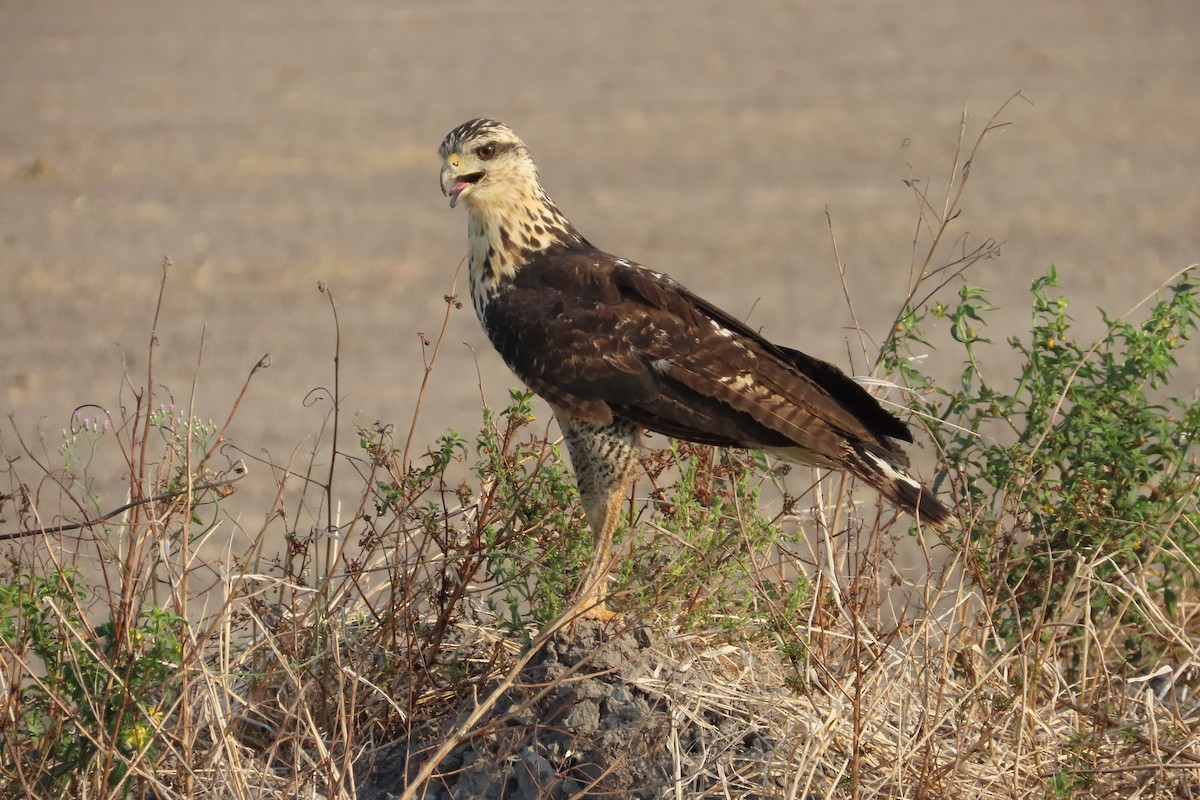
x=856, y=743
x=179, y=583
x=451, y=304
x=841, y=266
x=308, y=477
x=330, y=527
x=30, y=498
x=263, y=363
x=337, y=399
x=139, y=527
x=950, y=211
x=74, y=526
x=1152, y=557
x=145, y=400
x=137, y=489
x=465, y=570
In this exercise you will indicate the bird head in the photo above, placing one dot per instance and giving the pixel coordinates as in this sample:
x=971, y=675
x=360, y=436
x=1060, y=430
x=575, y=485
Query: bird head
x=484, y=164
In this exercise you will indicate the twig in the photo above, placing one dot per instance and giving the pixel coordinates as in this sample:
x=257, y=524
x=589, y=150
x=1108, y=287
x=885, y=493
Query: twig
x=136, y=490
x=263, y=363
x=451, y=304
x=240, y=472
x=950, y=211
x=841, y=265
x=337, y=399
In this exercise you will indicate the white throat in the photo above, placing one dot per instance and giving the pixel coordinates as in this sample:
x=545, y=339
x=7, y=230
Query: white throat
x=504, y=233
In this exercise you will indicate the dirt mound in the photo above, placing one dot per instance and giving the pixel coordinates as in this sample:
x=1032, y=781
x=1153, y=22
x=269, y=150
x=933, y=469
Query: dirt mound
x=593, y=714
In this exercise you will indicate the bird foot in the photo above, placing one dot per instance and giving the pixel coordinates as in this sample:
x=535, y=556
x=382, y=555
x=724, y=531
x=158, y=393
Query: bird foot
x=593, y=608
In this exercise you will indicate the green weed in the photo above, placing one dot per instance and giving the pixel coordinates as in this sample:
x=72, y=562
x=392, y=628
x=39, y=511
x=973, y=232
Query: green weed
x=1082, y=461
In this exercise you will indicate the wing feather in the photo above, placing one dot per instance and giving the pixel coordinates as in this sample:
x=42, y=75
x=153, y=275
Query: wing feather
x=832, y=381
x=603, y=337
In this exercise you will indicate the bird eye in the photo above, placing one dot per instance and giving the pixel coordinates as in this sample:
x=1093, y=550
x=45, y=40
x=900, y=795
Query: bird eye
x=485, y=152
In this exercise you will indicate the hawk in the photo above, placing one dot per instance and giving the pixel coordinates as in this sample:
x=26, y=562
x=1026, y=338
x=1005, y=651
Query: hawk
x=616, y=348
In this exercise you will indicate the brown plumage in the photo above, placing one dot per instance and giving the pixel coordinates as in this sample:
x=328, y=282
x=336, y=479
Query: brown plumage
x=614, y=347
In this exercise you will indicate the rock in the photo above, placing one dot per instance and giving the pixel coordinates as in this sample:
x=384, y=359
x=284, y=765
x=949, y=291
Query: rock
x=584, y=717
x=536, y=778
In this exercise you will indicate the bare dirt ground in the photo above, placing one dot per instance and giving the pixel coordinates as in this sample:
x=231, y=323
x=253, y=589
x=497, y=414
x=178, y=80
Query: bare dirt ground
x=264, y=147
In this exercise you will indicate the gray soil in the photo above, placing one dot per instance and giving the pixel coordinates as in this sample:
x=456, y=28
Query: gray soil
x=592, y=715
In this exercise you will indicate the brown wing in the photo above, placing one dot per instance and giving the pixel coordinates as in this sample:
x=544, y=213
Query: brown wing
x=602, y=337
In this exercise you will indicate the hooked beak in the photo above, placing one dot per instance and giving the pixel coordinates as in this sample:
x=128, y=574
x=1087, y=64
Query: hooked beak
x=454, y=184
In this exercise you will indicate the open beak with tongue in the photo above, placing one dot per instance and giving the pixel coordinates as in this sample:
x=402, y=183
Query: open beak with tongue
x=455, y=184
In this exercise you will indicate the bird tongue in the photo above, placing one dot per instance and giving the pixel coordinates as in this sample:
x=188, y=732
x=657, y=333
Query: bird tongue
x=461, y=184
x=456, y=190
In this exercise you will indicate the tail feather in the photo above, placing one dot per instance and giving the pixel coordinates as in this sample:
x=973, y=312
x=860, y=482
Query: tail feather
x=890, y=480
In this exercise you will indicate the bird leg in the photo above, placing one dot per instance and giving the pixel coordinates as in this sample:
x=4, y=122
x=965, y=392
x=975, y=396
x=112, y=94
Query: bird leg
x=602, y=515
x=603, y=456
